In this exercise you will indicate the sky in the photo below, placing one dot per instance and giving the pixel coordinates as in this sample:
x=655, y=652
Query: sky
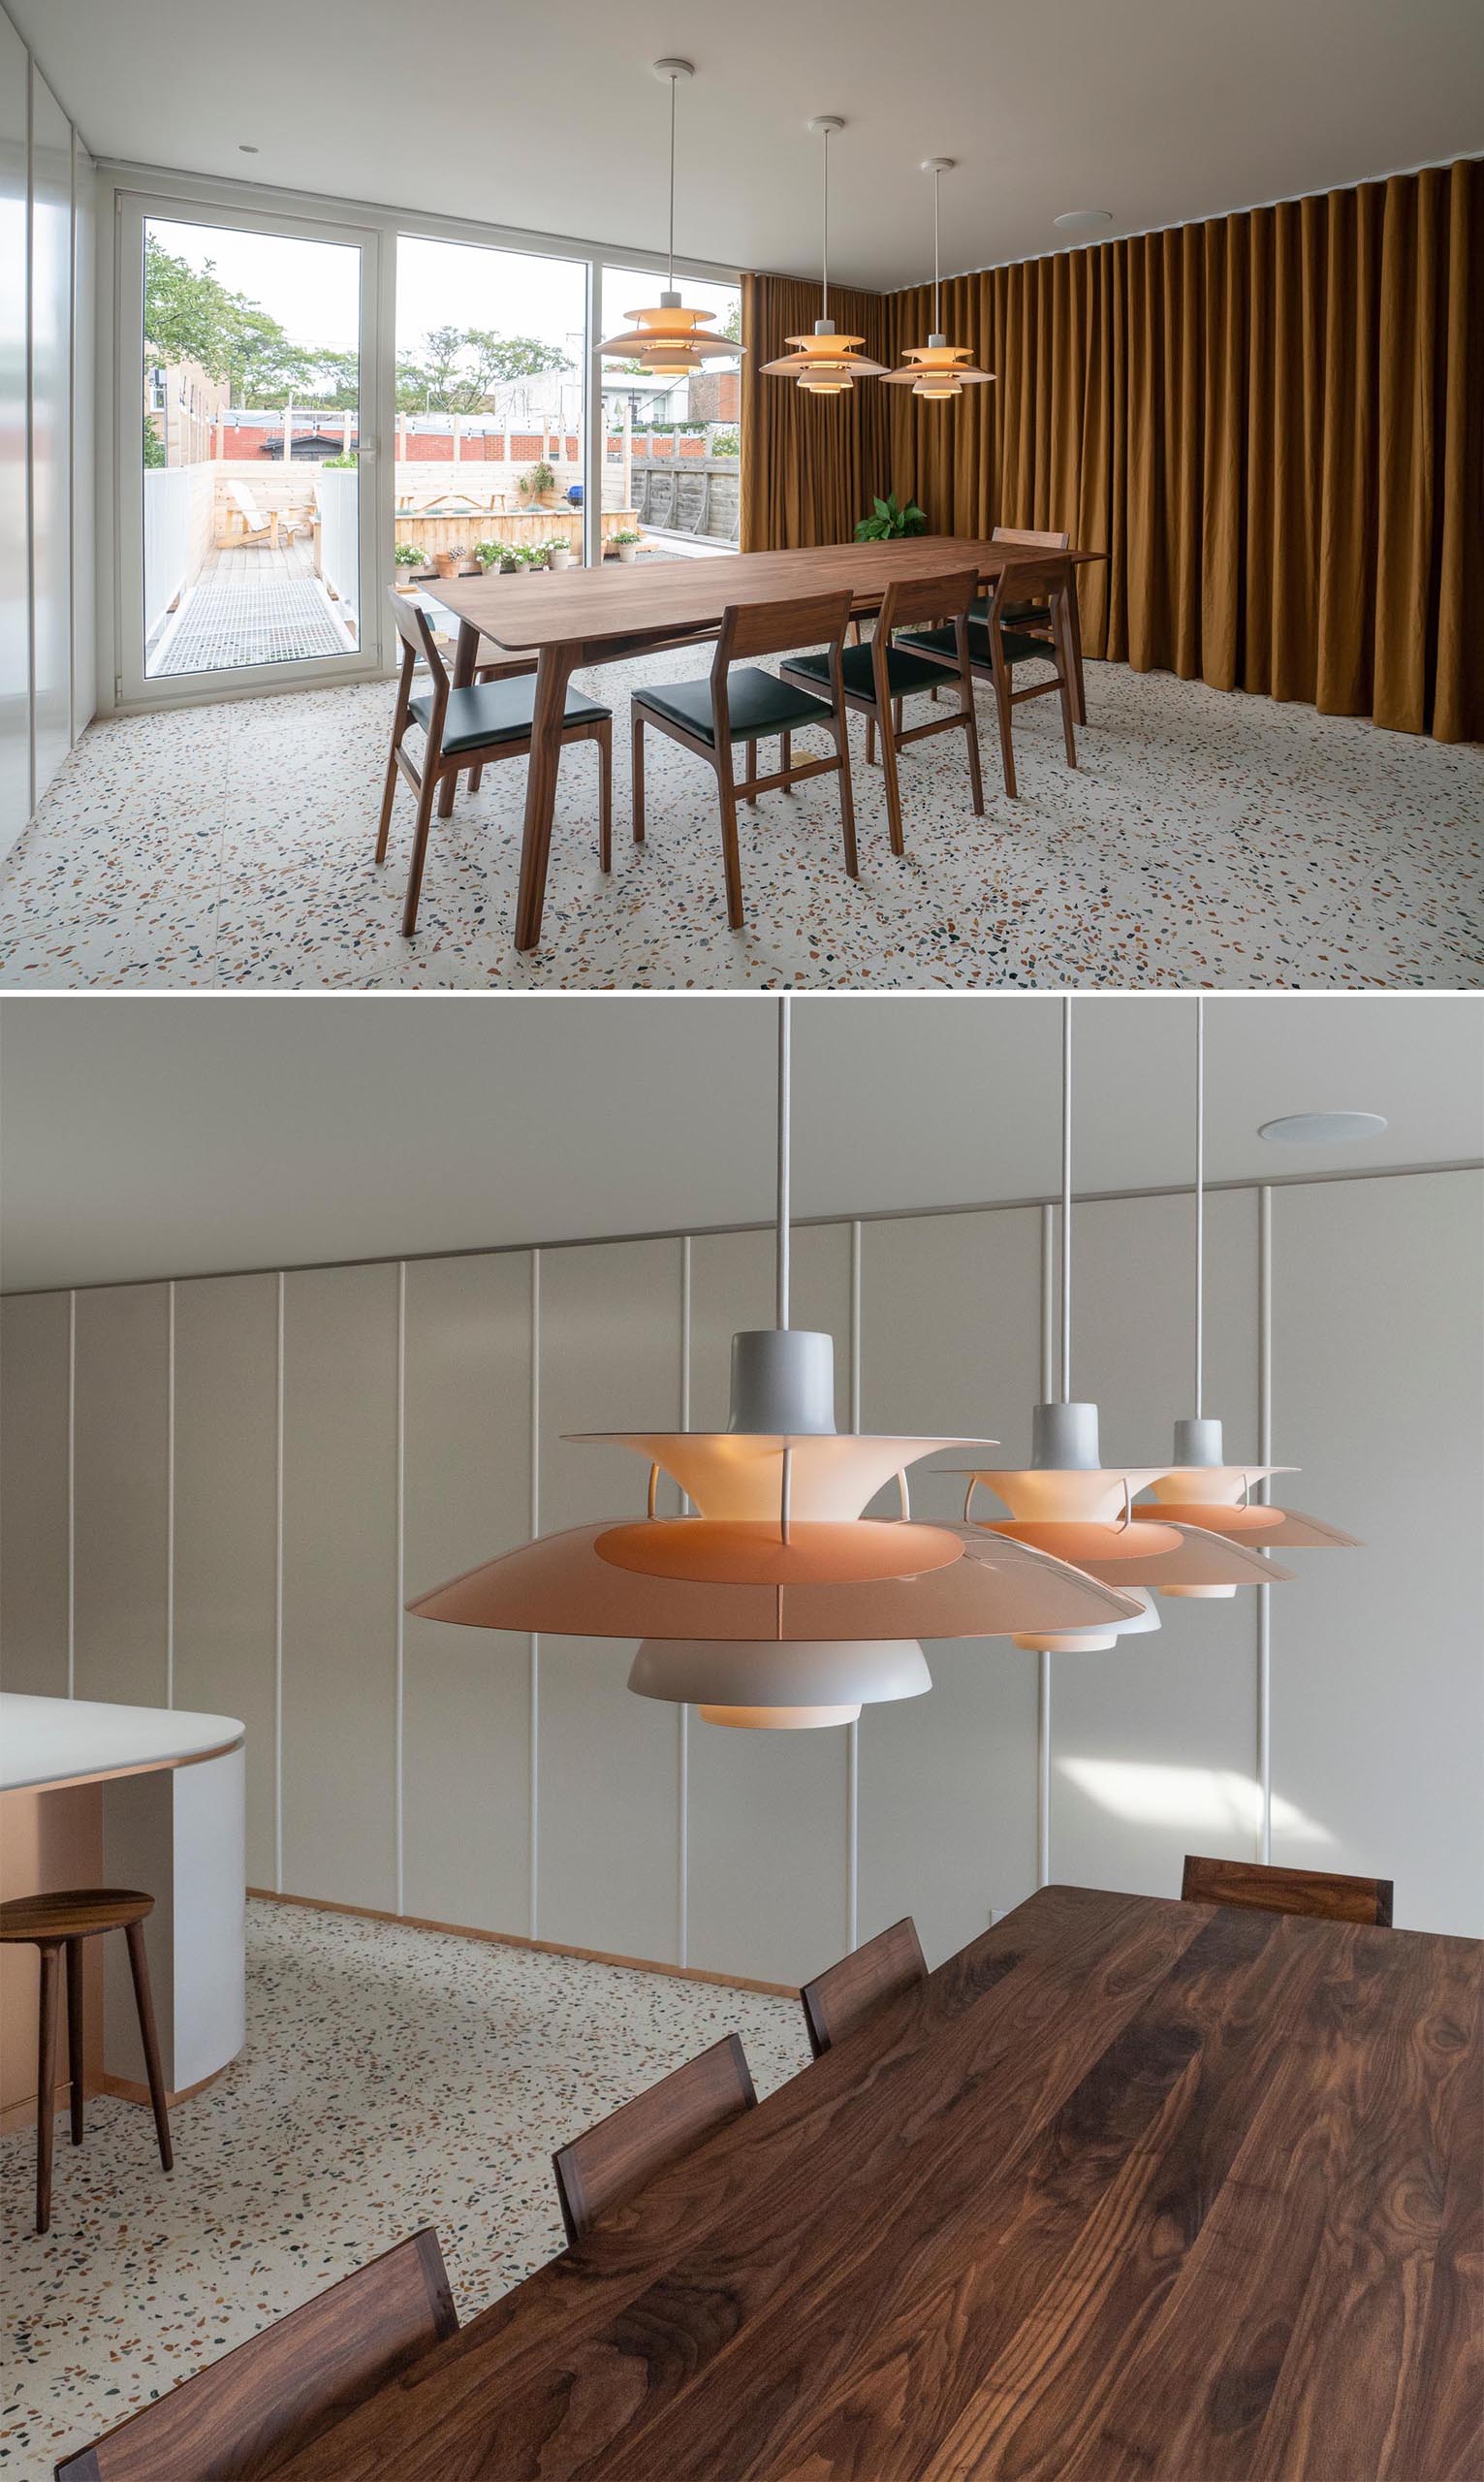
x=310, y=287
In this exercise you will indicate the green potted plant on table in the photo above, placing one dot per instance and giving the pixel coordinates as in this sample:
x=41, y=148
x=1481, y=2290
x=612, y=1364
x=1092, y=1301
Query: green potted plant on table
x=625, y=543
x=889, y=519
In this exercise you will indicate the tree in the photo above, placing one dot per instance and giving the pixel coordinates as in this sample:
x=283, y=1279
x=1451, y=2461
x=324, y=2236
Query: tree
x=459, y=368
x=191, y=316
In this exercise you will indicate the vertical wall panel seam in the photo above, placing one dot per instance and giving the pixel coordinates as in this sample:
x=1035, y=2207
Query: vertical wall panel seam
x=853, y=1731
x=401, y=1551
x=1043, y=1659
x=30, y=426
x=170, y=1499
x=1264, y=1457
x=534, y=1671
x=278, y=1599
x=72, y=1495
x=72, y=431
x=682, y=1820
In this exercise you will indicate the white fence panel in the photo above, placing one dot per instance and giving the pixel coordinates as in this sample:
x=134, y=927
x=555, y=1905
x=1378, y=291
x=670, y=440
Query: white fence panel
x=170, y=560
x=337, y=496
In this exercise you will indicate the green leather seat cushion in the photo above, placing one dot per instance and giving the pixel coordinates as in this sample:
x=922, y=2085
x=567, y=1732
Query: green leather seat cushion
x=493, y=710
x=905, y=673
x=1017, y=650
x=757, y=705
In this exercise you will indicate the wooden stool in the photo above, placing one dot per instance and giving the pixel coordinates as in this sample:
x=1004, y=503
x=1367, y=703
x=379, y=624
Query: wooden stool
x=50, y=1924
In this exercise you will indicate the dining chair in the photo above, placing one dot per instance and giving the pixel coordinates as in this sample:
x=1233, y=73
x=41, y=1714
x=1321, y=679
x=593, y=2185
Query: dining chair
x=835, y=2002
x=1035, y=615
x=878, y=676
x=993, y=652
x=711, y=716
x=56, y=1925
x=471, y=728
x=246, y=2415
x=1327, y=1895
x=610, y=2162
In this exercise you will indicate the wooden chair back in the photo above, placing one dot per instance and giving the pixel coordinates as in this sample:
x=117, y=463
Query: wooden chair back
x=247, y=2414
x=1050, y=541
x=415, y=630
x=782, y=628
x=925, y=603
x=835, y=2002
x=612, y=2160
x=1326, y=1895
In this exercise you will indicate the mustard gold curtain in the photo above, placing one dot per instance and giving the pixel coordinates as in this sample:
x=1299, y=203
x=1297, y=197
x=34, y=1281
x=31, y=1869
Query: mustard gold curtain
x=1273, y=424
x=809, y=464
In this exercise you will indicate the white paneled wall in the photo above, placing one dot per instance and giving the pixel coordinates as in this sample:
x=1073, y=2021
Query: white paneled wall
x=221, y=1491
x=46, y=310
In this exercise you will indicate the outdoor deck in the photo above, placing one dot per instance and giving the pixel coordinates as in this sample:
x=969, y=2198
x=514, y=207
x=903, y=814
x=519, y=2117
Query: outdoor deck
x=251, y=605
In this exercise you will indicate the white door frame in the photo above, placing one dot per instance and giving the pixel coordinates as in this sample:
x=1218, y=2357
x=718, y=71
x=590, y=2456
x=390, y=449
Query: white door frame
x=134, y=209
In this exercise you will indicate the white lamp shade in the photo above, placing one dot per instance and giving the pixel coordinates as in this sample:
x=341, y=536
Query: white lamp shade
x=763, y=1675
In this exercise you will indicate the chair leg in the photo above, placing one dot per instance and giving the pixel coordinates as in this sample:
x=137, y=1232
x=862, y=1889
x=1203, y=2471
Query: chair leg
x=1006, y=714
x=637, y=777
x=388, y=797
x=871, y=740
x=1061, y=639
x=972, y=728
x=785, y=755
x=751, y=770
x=45, y=2083
x=475, y=774
x=893, y=787
x=839, y=728
x=605, y=740
x=730, y=854
x=74, y=2036
x=419, y=853
x=139, y=1967
x=896, y=715
x=1074, y=635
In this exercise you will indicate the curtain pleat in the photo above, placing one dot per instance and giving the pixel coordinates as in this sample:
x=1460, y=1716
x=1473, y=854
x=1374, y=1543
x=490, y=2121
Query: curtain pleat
x=1273, y=422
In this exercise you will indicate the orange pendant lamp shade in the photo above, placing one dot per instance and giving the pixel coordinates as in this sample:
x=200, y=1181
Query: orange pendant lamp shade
x=938, y=370
x=824, y=364
x=666, y=339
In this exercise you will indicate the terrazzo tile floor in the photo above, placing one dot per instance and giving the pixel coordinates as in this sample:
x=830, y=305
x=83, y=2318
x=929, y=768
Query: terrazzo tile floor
x=1205, y=839
x=392, y=2078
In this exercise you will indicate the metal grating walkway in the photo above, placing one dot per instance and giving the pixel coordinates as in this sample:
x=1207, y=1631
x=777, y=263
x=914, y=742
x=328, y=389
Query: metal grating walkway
x=237, y=619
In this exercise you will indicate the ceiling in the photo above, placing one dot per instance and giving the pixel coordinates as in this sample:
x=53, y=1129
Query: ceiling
x=154, y=1136
x=1161, y=110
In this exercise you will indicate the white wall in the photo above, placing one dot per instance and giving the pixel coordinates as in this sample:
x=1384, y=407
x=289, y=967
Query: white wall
x=46, y=309
x=216, y=1493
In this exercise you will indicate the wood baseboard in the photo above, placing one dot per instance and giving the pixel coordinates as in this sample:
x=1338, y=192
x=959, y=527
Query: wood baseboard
x=541, y=1947
x=124, y=2089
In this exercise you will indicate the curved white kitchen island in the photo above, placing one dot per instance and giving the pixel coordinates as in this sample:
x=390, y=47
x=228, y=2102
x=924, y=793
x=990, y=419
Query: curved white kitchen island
x=134, y=1796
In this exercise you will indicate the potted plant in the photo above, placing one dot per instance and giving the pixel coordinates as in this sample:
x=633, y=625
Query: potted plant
x=450, y=564
x=559, y=552
x=408, y=557
x=540, y=485
x=626, y=543
x=889, y=519
x=535, y=555
x=498, y=557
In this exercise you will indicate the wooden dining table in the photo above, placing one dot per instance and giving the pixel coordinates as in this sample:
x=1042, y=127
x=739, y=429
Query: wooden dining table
x=575, y=618
x=1126, y=2188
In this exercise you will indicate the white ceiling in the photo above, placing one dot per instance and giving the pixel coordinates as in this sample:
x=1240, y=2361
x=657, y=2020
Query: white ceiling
x=151, y=1136
x=1162, y=110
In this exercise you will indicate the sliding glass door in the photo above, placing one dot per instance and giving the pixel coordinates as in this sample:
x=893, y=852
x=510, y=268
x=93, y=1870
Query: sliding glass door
x=246, y=542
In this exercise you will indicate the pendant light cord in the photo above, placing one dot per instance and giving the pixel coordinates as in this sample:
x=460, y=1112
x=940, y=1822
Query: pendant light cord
x=1200, y=1196
x=1066, y=1200
x=673, y=82
x=824, y=243
x=937, y=319
x=785, y=1068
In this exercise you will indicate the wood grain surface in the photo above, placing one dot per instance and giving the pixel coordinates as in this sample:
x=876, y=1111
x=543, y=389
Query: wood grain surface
x=1128, y=2188
x=584, y=607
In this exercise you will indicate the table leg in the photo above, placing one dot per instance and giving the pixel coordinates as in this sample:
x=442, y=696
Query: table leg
x=553, y=673
x=1073, y=610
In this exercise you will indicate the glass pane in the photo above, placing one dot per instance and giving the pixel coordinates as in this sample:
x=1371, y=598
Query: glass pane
x=15, y=623
x=250, y=493
x=671, y=466
x=491, y=351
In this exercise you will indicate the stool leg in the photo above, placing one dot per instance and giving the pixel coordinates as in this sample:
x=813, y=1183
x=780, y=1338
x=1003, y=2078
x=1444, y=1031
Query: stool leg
x=46, y=2085
x=74, y=2034
x=138, y=1966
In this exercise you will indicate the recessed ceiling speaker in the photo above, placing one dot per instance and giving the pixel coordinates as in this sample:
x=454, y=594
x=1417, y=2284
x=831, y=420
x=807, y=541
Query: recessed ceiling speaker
x=1321, y=1129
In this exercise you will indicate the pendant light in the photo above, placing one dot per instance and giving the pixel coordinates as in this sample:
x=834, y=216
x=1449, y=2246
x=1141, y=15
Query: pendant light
x=937, y=370
x=824, y=364
x=777, y=1603
x=1067, y=1503
x=1200, y=1488
x=666, y=338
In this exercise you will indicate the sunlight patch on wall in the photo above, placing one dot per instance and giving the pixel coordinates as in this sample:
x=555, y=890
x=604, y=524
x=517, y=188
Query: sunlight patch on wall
x=1209, y=1800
